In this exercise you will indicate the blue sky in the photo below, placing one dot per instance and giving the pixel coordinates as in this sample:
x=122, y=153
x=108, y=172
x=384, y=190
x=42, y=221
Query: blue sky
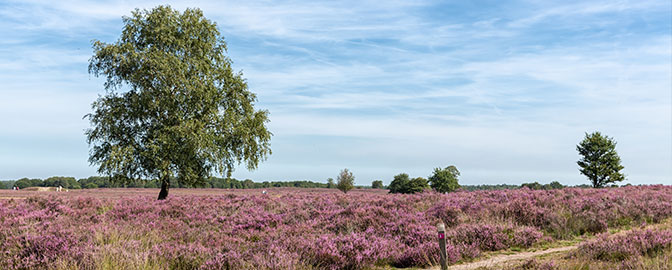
x=504, y=90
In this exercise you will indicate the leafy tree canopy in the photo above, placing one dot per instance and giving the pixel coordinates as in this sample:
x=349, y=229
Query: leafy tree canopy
x=599, y=160
x=183, y=113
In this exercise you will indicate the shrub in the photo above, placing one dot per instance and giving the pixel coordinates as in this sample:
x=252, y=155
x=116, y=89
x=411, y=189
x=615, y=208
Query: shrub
x=90, y=185
x=399, y=183
x=623, y=247
x=445, y=180
x=416, y=185
x=377, y=184
x=402, y=184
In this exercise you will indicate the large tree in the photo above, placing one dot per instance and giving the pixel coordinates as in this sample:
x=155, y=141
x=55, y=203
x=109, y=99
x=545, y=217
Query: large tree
x=599, y=160
x=174, y=107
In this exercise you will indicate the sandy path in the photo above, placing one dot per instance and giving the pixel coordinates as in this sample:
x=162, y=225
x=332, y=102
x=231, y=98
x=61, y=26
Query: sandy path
x=503, y=259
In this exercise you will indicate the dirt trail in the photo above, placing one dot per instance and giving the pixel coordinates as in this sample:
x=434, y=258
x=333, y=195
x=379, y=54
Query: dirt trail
x=504, y=259
x=501, y=260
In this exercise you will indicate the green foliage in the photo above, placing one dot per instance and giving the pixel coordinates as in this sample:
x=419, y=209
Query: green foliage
x=537, y=186
x=25, y=182
x=399, y=183
x=416, y=185
x=2, y=185
x=7, y=184
x=377, y=184
x=151, y=184
x=403, y=184
x=330, y=183
x=65, y=182
x=345, y=181
x=555, y=185
x=90, y=185
x=599, y=160
x=445, y=180
x=186, y=112
x=533, y=186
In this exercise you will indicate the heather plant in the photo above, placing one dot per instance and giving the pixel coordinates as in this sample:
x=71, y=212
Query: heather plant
x=623, y=247
x=308, y=228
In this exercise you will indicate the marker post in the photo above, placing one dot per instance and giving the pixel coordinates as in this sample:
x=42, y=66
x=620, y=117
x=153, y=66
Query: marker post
x=442, y=245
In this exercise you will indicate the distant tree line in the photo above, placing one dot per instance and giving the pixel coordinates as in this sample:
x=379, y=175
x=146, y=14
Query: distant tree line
x=107, y=182
x=403, y=183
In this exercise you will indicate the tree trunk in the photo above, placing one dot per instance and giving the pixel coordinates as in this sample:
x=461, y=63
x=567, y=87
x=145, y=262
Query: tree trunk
x=165, y=185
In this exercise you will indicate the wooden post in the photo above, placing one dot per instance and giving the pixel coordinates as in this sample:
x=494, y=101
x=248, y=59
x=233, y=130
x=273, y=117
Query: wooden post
x=442, y=245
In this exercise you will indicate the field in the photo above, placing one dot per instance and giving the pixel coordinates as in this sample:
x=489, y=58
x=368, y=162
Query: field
x=289, y=228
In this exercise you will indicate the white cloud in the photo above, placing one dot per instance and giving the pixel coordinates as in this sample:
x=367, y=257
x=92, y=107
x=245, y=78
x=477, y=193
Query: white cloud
x=381, y=88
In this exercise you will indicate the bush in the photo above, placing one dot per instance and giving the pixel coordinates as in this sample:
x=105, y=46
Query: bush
x=399, y=183
x=555, y=185
x=25, y=182
x=345, y=181
x=402, y=184
x=445, y=180
x=90, y=185
x=631, y=245
x=416, y=185
x=377, y=184
x=532, y=186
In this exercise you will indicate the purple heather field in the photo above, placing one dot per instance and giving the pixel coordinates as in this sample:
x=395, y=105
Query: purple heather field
x=289, y=228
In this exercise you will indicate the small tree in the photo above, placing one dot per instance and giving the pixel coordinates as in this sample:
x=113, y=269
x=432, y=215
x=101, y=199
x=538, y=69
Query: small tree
x=445, y=180
x=345, y=181
x=599, y=160
x=330, y=183
x=377, y=184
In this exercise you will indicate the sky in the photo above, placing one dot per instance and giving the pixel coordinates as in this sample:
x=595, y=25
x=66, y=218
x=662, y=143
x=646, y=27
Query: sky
x=503, y=90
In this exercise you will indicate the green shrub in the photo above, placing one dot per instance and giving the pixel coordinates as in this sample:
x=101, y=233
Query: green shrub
x=377, y=184
x=445, y=180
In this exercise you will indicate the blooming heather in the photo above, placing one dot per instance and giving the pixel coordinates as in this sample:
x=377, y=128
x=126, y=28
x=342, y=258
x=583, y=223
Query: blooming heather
x=630, y=245
x=306, y=228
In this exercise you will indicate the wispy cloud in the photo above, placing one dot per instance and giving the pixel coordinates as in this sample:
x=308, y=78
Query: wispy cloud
x=504, y=90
